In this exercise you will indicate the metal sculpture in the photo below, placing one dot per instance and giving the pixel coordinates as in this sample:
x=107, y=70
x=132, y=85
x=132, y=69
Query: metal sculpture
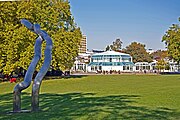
x=29, y=74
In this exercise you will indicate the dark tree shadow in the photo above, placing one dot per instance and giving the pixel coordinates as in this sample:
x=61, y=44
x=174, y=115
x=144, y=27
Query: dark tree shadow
x=85, y=106
x=65, y=77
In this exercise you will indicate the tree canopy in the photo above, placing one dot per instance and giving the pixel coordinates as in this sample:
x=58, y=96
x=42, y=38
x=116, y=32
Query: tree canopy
x=162, y=64
x=117, y=44
x=138, y=52
x=17, y=42
x=160, y=54
x=172, y=40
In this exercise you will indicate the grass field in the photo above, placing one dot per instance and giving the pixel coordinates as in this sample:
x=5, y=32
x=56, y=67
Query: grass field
x=101, y=97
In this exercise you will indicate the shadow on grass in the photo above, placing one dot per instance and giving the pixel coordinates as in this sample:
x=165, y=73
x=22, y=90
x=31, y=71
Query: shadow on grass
x=85, y=106
x=75, y=76
x=65, y=77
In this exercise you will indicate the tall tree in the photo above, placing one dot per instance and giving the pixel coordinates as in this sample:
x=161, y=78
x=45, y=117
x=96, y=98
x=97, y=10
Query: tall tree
x=138, y=52
x=108, y=48
x=161, y=65
x=172, y=40
x=117, y=44
x=17, y=43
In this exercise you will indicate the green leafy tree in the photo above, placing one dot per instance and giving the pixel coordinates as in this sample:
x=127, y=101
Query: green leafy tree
x=161, y=65
x=108, y=48
x=172, y=40
x=117, y=44
x=17, y=42
x=138, y=52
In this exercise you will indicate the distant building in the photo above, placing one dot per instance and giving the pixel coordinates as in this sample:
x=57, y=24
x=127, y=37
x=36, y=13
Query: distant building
x=83, y=45
x=81, y=62
x=170, y=66
x=110, y=61
x=141, y=66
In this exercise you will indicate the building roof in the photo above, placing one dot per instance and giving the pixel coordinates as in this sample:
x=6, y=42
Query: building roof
x=110, y=63
x=111, y=53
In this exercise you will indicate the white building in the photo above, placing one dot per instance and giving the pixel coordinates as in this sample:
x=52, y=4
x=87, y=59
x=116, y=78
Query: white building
x=81, y=62
x=110, y=61
x=115, y=61
x=170, y=66
x=142, y=66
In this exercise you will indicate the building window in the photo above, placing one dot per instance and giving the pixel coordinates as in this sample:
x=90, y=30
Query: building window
x=100, y=67
x=110, y=59
x=124, y=67
x=127, y=67
x=137, y=67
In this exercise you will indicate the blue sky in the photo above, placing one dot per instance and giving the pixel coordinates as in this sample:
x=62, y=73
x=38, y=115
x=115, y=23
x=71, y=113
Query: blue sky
x=144, y=21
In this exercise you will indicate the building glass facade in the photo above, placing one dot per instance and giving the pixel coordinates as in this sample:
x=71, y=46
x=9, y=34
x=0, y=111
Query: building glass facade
x=110, y=61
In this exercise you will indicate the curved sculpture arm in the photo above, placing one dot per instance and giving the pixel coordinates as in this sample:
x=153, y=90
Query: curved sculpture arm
x=33, y=27
x=29, y=74
x=37, y=56
x=27, y=24
x=47, y=59
x=37, y=29
x=42, y=72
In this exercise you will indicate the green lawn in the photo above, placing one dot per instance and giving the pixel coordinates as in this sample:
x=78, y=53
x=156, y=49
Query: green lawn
x=101, y=97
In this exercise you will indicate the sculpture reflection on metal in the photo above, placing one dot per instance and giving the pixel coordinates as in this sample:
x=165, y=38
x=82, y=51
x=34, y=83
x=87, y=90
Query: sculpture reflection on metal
x=29, y=74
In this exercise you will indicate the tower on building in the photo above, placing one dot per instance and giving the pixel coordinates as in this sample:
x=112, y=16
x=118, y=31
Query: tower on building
x=83, y=44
